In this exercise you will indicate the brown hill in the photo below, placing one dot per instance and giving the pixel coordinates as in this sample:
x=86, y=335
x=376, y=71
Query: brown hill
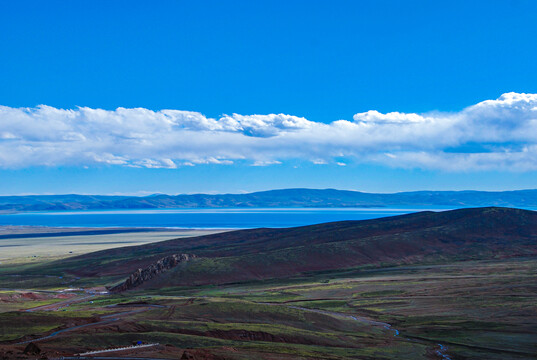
x=478, y=233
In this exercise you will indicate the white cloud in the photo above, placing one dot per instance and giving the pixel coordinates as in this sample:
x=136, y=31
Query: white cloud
x=155, y=164
x=266, y=163
x=373, y=116
x=493, y=134
x=212, y=160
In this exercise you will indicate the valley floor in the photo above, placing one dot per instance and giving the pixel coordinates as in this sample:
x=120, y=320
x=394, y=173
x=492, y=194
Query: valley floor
x=461, y=310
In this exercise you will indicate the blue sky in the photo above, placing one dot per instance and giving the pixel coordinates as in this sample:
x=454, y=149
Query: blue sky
x=418, y=84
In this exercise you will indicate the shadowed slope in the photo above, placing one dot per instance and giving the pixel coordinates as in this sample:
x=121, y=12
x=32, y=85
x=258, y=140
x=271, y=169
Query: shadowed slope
x=479, y=233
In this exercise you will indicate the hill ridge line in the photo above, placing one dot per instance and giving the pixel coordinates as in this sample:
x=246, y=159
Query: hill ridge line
x=285, y=198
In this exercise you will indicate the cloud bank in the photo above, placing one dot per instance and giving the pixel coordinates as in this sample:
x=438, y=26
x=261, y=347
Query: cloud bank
x=496, y=134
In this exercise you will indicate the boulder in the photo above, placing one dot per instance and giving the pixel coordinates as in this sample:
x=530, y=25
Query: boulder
x=32, y=349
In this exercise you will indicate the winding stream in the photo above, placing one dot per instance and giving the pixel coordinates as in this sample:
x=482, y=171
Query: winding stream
x=115, y=317
x=440, y=352
x=106, y=319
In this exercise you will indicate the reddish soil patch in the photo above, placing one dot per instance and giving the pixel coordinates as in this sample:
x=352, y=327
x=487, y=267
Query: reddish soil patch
x=199, y=354
x=31, y=296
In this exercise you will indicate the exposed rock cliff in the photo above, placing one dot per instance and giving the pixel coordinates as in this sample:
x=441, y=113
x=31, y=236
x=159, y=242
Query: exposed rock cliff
x=142, y=275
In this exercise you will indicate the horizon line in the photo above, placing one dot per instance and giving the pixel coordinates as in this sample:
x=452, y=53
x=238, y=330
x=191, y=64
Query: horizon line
x=140, y=194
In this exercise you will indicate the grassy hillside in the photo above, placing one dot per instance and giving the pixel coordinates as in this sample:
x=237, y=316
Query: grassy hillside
x=425, y=237
x=466, y=310
x=451, y=285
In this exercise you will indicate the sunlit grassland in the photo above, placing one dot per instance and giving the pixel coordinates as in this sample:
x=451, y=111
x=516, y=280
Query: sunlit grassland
x=475, y=307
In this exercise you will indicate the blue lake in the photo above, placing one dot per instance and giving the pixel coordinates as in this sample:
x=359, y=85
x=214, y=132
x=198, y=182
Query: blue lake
x=199, y=218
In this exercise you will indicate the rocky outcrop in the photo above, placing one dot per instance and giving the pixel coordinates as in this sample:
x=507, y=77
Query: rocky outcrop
x=32, y=349
x=140, y=276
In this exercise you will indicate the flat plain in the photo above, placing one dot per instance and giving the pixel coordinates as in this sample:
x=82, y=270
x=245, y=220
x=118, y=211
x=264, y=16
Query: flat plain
x=26, y=243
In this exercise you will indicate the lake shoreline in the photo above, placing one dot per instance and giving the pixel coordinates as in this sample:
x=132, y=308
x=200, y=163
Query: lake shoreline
x=29, y=231
x=193, y=219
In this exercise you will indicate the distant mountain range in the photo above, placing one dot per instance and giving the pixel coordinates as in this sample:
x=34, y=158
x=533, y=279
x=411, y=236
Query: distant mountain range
x=273, y=199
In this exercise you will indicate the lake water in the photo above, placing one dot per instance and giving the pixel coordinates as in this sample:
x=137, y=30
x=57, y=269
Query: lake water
x=199, y=218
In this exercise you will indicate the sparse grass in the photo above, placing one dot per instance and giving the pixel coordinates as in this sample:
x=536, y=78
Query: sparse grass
x=15, y=325
x=469, y=307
